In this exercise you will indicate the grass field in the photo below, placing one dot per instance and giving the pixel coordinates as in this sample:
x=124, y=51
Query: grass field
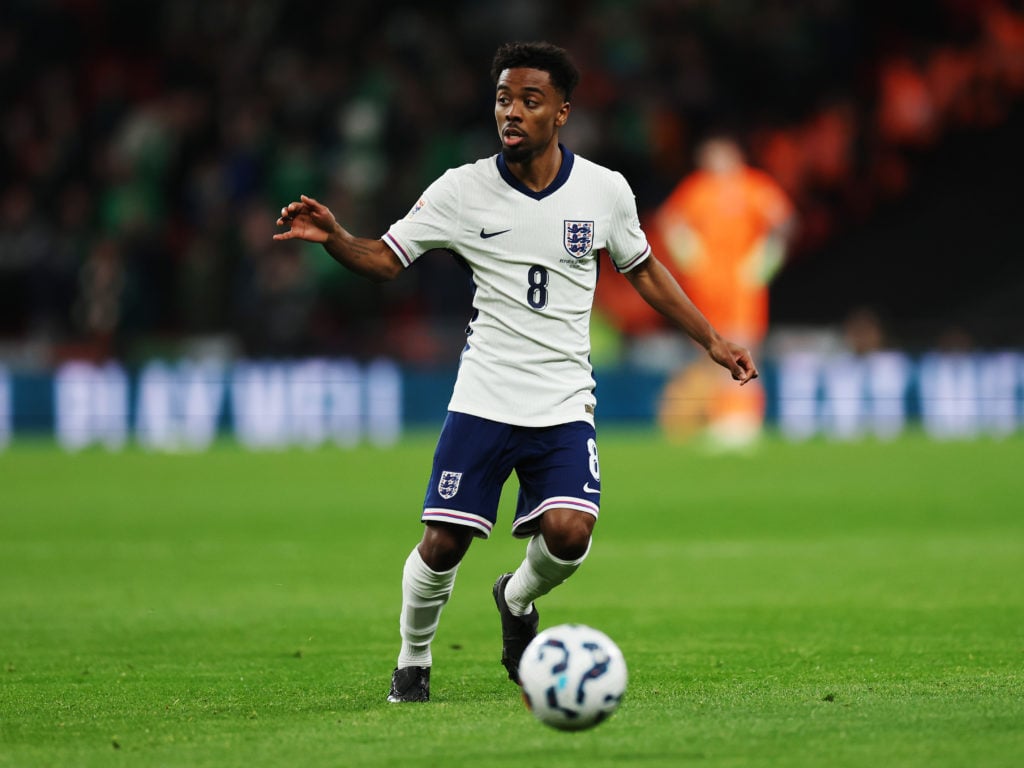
x=816, y=604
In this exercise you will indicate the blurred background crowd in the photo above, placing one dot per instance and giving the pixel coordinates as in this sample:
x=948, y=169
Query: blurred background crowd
x=147, y=147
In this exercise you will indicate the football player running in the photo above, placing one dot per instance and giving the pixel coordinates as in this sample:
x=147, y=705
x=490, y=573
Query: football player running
x=530, y=223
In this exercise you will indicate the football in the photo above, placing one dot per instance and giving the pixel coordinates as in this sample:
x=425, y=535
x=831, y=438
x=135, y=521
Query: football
x=573, y=677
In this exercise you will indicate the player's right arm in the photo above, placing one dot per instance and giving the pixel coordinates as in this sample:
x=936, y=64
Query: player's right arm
x=681, y=240
x=310, y=220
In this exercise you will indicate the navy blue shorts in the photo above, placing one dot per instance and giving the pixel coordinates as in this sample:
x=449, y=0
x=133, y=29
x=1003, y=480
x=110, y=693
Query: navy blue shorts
x=557, y=467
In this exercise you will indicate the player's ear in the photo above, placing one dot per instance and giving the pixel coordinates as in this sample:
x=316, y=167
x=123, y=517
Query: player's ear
x=563, y=114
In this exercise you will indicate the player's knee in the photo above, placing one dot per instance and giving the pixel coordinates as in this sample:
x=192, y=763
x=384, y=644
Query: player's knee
x=567, y=537
x=443, y=546
x=569, y=549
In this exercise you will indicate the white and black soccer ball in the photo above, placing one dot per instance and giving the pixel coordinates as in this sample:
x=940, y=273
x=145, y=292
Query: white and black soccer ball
x=573, y=677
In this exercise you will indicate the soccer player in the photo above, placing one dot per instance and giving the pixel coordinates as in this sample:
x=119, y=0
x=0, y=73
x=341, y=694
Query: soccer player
x=726, y=227
x=529, y=223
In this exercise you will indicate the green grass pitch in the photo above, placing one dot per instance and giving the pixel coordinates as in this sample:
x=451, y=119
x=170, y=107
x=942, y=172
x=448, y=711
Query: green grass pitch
x=815, y=604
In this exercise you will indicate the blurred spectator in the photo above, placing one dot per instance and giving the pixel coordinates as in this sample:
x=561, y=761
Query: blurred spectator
x=100, y=304
x=863, y=332
x=276, y=293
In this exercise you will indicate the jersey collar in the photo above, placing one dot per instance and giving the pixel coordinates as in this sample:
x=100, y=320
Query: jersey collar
x=562, y=177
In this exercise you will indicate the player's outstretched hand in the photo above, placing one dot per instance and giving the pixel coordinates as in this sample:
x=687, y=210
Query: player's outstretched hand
x=734, y=357
x=306, y=220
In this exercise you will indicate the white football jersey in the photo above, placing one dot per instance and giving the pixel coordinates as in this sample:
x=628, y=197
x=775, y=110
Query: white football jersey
x=534, y=260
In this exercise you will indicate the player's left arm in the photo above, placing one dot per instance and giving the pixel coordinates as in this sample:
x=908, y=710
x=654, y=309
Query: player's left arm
x=778, y=217
x=659, y=289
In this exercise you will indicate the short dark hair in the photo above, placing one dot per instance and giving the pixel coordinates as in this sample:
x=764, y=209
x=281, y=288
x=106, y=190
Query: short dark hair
x=543, y=56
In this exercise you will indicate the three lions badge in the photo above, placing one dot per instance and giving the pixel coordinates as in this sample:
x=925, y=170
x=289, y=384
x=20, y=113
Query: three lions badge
x=578, y=238
x=448, y=485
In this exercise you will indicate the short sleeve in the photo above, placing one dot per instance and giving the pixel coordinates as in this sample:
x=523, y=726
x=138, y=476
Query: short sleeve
x=773, y=203
x=627, y=243
x=429, y=223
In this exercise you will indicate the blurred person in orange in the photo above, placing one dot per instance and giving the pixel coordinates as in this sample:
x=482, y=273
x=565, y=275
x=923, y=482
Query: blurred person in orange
x=727, y=226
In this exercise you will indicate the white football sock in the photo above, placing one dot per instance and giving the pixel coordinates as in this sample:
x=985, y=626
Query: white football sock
x=538, y=574
x=424, y=593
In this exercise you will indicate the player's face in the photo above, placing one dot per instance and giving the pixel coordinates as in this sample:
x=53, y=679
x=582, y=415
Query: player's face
x=529, y=111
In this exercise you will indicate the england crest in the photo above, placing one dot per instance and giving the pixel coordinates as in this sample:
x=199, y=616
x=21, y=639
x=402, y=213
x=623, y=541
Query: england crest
x=578, y=238
x=448, y=485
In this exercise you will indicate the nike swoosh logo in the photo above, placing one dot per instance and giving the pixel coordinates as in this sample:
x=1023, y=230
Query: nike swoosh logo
x=486, y=235
x=588, y=489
